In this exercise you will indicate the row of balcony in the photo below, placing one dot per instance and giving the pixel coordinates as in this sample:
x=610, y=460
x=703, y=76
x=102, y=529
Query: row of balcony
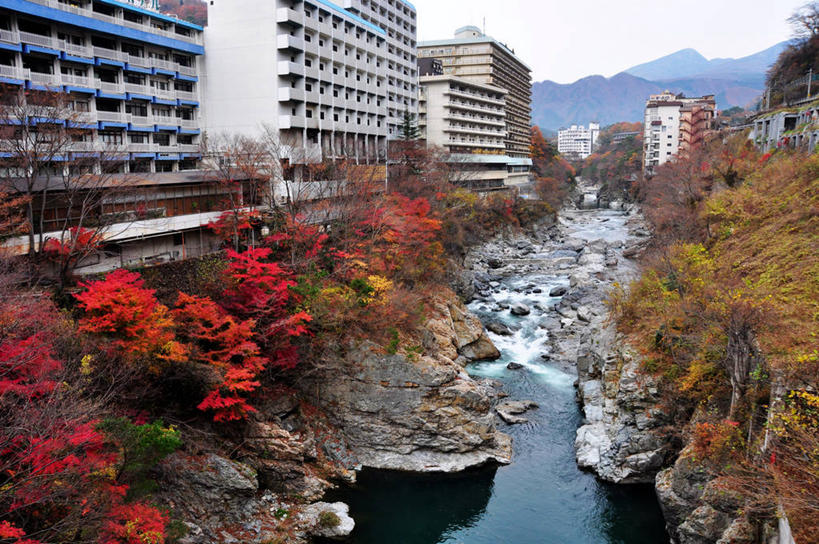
x=300, y=121
x=89, y=51
x=138, y=120
x=144, y=26
x=55, y=80
x=97, y=147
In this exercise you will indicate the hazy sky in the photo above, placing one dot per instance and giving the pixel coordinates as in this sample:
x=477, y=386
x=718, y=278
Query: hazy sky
x=564, y=40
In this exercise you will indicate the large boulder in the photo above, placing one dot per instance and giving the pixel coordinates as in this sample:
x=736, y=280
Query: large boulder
x=327, y=520
x=520, y=309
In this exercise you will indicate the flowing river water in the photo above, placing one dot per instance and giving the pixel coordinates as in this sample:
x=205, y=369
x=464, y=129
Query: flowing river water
x=542, y=497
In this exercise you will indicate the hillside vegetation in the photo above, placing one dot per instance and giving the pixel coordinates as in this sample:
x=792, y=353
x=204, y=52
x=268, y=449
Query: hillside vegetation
x=727, y=313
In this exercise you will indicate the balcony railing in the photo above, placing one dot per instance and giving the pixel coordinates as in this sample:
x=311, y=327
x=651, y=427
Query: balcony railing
x=186, y=95
x=81, y=81
x=107, y=87
x=139, y=120
x=164, y=64
x=188, y=148
x=9, y=36
x=50, y=80
x=142, y=148
x=111, y=116
x=38, y=39
x=112, y=54
x=186, y=70
x=187, y=123
x=76, y=49
x=14, y=72
x=144, y=62
x=167, y=94
x=137, y=88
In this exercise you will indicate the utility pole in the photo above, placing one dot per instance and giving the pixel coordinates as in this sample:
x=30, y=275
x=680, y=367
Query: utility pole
x=810, y=79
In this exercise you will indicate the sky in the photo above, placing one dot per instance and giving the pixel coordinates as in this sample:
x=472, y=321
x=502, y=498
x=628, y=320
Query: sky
x=565, y=40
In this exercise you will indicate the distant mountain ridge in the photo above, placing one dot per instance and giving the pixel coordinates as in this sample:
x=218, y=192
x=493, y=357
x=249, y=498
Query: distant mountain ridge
x=734, y=82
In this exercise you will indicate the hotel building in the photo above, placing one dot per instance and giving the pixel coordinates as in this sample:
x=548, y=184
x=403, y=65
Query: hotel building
x=332, y=82
x=578, y=141
x=674, y=124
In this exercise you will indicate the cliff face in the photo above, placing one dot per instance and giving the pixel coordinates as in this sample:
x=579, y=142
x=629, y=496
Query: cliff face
x=417, y=412
x=625, y=438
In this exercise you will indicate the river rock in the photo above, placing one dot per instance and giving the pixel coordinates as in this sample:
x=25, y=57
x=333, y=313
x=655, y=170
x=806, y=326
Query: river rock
x=494, y=262
x=514, y=366
x=510, y=410
x=549, y=323
x=498, y=328
x=558, y=291
x=327, y=520
x=584, y=314
x=520, y=309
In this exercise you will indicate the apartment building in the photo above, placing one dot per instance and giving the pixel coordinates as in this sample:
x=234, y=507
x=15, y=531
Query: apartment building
x=674, y=123
x=130, y=78
x=331, y=82
x=578, y=141
x=468, y=120
x=130, y=74
x=473, y=56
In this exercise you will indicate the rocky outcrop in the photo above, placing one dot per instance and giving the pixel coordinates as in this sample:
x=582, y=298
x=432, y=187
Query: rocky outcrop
x=417, y=411
x=219, y=500
x=623, y=439
x=328, y=520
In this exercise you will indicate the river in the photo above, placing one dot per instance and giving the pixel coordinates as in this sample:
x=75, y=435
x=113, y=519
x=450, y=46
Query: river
x=542, y=497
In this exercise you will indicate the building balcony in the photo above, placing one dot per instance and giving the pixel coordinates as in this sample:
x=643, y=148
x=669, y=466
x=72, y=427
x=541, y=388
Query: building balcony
x=186, y=95
x=137, y=88
x=112, y=116
x=105, y=86
x=143, y=62
x=139, y=120
x=186, y=70
x=286, y=41
x=163, y=64
x=78, y=81
x=85, y=147
x=289, y=94
x=165, y=94
x=49, y=80
x=286, y=15
x=188, y=148
x=14, y=72
x=39, y=39
x=187, y=123
x=10, y=36
x=287, y=68
x=142, y=148
x=112, y=54
x=76, y=49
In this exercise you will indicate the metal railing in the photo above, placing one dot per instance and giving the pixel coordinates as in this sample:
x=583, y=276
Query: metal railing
x=37, y=39
x=110, y=87
x=82, y=81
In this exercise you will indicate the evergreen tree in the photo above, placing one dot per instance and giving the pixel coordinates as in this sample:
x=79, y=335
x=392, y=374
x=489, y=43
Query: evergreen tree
x=409, y=127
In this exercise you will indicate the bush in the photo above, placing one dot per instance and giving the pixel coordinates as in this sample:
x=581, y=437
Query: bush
x=328, y=519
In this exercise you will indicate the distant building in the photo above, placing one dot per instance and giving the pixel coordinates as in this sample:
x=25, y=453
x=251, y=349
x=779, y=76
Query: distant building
x=429, y=66
x=674, y=124
x=473, y=56
x=795, y=128
x=578, y=141
x=468, y=120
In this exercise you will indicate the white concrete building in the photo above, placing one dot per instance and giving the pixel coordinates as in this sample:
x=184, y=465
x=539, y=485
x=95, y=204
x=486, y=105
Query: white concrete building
x=673, y=122
x=329, y=80
x=578, y=141
x=468, y=119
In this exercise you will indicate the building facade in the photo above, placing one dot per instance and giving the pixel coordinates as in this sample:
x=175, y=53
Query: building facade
x=473, y=56
x=578, y=141
x=468, y=120
x=331, y=82
x=674, y=123
x=130, y=74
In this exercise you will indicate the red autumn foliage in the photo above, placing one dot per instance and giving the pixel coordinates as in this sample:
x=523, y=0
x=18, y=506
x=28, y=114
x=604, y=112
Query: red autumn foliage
x=80, y=241
x=122, y=309
x=135, y=523
x=27, y=367
x=227, y=345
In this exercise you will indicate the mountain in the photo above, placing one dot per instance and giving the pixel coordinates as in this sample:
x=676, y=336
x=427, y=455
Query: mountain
x=733, y=82
x=685, y=62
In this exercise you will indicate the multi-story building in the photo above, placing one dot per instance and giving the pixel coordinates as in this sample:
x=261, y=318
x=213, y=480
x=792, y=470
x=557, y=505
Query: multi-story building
x=673, y=123
x=578, y=141
x=129, y=77
x=130, y=74
x=468, y=120
x=398, y=18
x=331, y=82
x=473, y=56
